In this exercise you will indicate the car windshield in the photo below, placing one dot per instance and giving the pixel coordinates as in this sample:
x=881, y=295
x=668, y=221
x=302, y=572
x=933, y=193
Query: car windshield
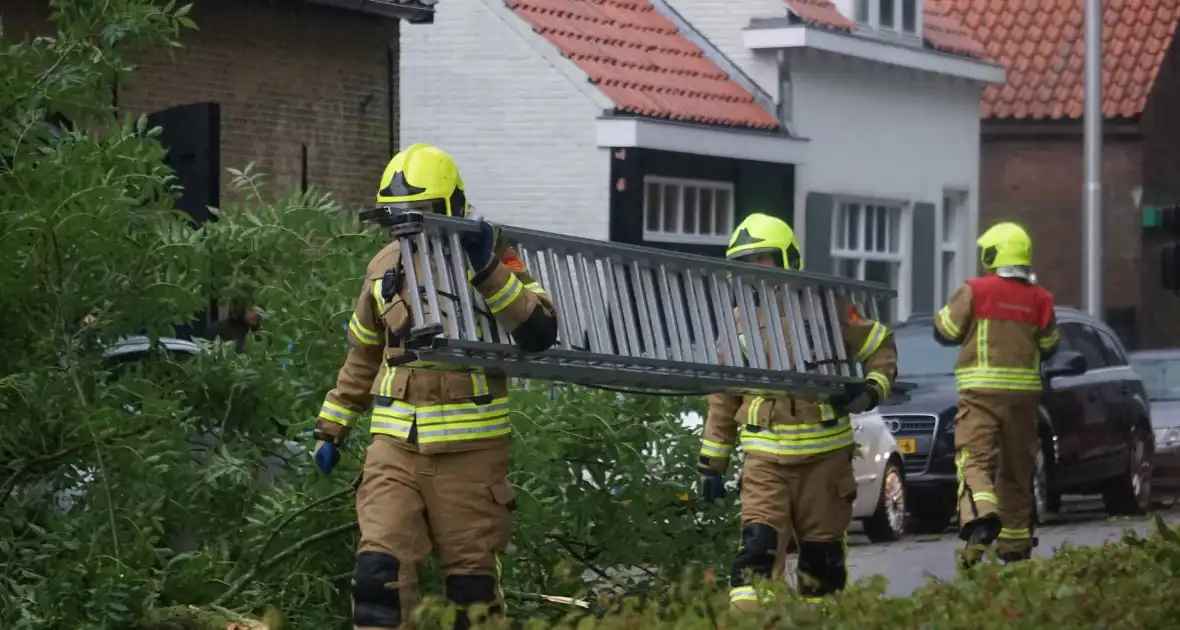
x=919, y=355
x=1161, y=377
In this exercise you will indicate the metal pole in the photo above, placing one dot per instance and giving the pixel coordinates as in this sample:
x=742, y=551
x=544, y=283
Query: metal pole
x=1092, y=227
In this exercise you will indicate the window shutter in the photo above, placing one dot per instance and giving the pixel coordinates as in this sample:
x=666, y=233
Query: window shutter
x=923, y=259
x=817, y=246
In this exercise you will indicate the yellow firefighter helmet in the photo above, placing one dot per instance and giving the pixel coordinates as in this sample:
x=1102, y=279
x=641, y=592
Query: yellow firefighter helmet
x=1005, y=245
x=423, y=173
x=763, y=234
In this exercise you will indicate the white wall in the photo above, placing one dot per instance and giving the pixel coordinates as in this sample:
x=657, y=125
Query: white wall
x=885, y=132
x=722, y=22
x=521, y=130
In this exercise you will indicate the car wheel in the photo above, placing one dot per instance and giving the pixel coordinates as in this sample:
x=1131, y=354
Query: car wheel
x=1130, y=492
x=1046, y=502
x=889, y=521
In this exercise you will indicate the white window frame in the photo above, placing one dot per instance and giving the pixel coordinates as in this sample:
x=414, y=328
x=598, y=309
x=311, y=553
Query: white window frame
x=902, y=256
x=721, y=233
x=874, y=18
x=955, y=244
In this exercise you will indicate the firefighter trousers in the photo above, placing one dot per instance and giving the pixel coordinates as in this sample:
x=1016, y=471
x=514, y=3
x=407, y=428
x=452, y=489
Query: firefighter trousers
x=996, y=444
x=808, y=504
x=458, y=505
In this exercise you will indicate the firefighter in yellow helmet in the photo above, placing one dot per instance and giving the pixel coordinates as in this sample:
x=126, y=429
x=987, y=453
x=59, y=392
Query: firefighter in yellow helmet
x=435, y=474
x=1005, y=326
x=797, y=479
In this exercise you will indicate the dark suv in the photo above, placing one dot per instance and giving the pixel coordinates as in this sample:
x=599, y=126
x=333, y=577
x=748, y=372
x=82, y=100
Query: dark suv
x=1095, y=427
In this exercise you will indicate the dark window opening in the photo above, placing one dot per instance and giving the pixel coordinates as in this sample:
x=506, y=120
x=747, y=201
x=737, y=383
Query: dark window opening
x=303, y=167
x=887, y=16
x=909, y=16
x=1084, y=339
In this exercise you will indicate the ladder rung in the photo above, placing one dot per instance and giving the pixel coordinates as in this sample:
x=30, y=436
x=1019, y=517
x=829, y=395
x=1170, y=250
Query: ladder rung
x=639, y=374
x=635, y=317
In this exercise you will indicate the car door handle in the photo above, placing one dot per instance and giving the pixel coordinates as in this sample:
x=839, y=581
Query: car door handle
x=1092, y=396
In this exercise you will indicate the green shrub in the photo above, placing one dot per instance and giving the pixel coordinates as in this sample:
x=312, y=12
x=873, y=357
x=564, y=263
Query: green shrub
x=116, y=515
x=1130, y=584
x=111, y=508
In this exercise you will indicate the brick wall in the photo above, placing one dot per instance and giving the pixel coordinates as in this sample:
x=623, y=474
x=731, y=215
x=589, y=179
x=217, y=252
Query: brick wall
x=1037, y=182
x=1161, y=186
x=286, y=75
x=1037, y=179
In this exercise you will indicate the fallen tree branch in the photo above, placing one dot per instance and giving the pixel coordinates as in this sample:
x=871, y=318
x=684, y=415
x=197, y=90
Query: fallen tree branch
x=351, y=489
x=550, y=600
x=69, y=450
x=21, y=469
x=241, y=582
x=585, y=561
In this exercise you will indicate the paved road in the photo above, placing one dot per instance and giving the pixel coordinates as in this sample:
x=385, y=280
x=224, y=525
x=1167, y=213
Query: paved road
x=908, y=563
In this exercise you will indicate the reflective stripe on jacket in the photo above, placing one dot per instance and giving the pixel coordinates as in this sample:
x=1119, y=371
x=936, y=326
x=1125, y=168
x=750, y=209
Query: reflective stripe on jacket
x=432, y=410
x=795, y=439
x=1004, y=325
x=786, y=428
x=434, y=424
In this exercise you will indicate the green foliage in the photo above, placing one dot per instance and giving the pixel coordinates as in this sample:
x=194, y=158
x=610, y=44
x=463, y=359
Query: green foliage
x=1118, y=585
x=166, y=482
x=177, y=491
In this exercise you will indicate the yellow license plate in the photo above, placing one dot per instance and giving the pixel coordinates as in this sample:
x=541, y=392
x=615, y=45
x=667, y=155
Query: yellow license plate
x=907, y=445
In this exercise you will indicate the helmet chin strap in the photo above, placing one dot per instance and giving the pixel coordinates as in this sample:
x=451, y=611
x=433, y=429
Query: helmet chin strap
x=1018, y=272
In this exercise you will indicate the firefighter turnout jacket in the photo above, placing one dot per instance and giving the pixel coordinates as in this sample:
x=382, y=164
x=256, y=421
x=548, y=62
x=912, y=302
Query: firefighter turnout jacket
x=789, y=430
x=431, y=411
x=1005, y=327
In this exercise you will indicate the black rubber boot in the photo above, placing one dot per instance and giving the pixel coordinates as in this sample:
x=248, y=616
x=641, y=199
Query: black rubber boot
x=979, y=534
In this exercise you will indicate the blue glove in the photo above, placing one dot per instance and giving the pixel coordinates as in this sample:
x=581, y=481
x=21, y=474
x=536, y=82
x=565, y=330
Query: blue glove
x=712, y=487
x=326, y=456
x=479, y=246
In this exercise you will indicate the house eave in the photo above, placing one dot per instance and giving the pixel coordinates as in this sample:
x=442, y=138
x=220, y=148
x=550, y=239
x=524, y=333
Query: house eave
x=412, y=11
x=779, y=37
x=1069, y=127
x=741, y=144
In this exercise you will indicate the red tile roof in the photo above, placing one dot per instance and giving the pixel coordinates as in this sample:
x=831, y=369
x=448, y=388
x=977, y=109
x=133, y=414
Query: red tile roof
x=638, y=58
x=821, y=13
x=940, y=29
x=943, y=31
x=1041, y=42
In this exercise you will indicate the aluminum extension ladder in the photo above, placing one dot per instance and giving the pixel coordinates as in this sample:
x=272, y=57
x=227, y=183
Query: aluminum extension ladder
x=631, y=317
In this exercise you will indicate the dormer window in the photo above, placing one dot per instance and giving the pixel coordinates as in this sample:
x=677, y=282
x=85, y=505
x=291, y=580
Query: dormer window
x=890, y=16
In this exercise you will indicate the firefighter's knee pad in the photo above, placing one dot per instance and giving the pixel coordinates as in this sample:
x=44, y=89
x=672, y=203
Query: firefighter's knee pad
x=983, y=531
x=755, y=555
x=821, y=567
x=466, y=590
x=376, y=600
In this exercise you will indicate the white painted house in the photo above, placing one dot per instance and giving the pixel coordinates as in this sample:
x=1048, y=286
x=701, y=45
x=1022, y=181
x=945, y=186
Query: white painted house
x=664, y=122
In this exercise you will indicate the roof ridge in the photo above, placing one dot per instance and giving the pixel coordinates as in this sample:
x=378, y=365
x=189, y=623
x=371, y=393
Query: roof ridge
x=641, y=60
